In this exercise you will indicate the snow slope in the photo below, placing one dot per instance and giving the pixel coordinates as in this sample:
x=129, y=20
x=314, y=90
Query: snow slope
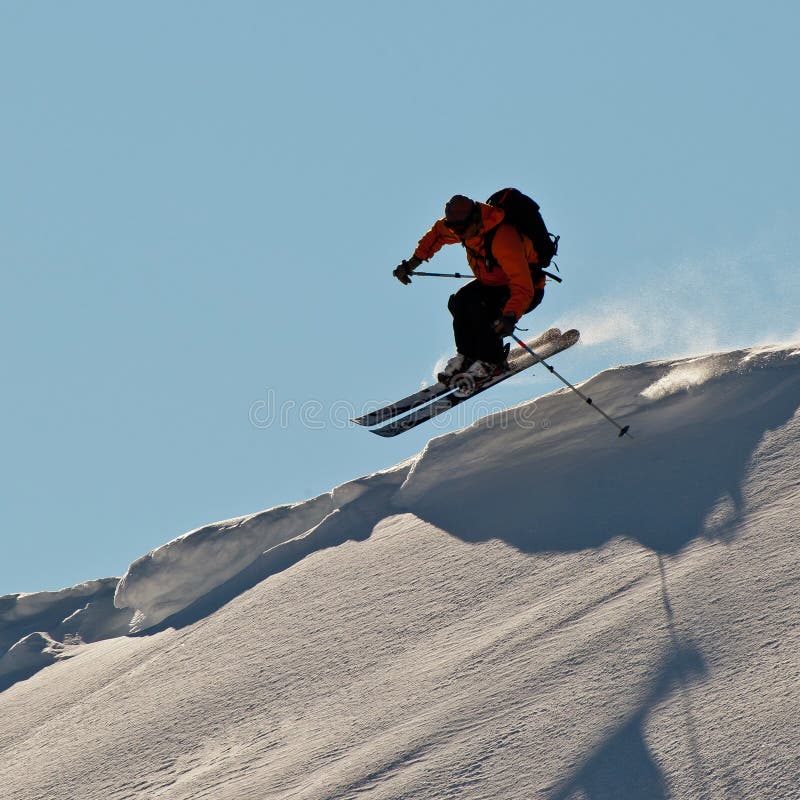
x=532, y=607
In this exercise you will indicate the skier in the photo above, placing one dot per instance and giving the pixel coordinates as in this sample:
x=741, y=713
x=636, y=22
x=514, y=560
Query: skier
x=505, y=287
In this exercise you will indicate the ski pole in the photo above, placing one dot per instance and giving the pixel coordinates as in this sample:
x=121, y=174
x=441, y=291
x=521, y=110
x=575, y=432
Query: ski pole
x=459, y=275
x=440, y=275
x=588, y=400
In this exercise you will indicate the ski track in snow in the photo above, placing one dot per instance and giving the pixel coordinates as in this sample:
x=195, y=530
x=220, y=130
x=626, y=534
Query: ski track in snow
x=545, y=612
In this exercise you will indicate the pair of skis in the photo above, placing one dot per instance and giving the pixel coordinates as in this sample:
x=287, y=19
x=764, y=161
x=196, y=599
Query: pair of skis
x=434, y=400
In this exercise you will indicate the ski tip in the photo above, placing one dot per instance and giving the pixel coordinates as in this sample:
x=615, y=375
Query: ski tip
x=387, y=432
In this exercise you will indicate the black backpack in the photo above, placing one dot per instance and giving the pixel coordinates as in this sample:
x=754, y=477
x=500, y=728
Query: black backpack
x=523, y=213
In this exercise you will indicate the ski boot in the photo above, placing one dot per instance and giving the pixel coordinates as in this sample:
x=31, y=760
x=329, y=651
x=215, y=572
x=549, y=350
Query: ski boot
x=479, y=372
x=458, y=363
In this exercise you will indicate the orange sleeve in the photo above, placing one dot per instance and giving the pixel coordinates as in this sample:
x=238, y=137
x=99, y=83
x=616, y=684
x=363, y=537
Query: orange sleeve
x=433, y=241
x=509, y=252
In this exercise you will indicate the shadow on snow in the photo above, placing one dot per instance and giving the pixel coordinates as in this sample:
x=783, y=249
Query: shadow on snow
x=659, y=491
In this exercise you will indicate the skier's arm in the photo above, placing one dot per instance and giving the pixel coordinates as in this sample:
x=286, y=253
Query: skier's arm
x=509, y=252
x=433, y=241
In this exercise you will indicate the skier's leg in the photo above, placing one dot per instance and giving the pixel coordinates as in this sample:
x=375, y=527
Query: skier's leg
x=488, y=345
x=474, y=308
x=465, y=305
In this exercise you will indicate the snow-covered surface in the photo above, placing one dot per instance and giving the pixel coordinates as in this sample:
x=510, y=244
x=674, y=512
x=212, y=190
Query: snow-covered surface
x=530, y=608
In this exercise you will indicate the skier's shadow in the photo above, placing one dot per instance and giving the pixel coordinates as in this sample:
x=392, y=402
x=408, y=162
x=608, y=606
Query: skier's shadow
x=659, y=489
x=623, y=767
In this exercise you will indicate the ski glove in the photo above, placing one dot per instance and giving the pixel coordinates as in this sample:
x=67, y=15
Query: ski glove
x=405, y=269
x=505, y=325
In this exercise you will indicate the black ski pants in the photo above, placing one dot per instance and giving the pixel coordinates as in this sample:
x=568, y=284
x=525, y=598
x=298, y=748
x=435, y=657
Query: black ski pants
x=474, y=308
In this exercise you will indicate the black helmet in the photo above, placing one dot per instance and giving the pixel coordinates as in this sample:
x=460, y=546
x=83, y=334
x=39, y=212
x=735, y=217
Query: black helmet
x=459, y=212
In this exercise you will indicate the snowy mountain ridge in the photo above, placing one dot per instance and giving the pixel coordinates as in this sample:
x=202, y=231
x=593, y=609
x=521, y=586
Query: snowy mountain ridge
x=609, y=618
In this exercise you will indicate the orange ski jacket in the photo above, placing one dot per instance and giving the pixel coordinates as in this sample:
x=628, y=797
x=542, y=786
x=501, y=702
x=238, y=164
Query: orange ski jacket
x=511, y=253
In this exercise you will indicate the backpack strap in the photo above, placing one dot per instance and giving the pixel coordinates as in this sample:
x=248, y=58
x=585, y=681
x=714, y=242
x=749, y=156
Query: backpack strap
x=488, y=238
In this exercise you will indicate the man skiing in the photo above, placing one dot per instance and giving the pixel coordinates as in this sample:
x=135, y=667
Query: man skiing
x=488, y=308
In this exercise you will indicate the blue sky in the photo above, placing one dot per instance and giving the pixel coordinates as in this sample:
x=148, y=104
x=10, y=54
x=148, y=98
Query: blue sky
x=202, y=203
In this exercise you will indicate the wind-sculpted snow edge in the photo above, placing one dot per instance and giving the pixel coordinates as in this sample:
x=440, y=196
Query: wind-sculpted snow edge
x=171, y=578
x=39, y=628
